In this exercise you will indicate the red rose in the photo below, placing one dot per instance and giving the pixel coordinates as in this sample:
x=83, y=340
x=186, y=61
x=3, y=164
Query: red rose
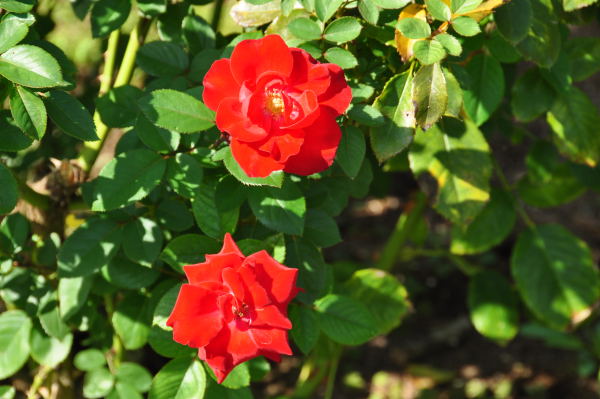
x=234, y=308
x=278, y=106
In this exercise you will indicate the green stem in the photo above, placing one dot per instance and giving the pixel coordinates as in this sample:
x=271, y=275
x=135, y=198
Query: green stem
x=116, y=354
x=109, y=62
x=38, y=380
x=407, y=222
x=307, y=381
x=333, y=367
x=216, y=17
x=91, y=149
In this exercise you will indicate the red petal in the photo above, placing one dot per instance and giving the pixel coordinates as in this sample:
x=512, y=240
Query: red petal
x=241, y=345
x=320, y=145
x=252, y=58
x=277, y=279
x=308, y=74
x=232, y=280
x=195, y=306
x=309, y=111
x=216, y=356
x=230, y=119
x=271, y=340
x=283, y=144
x=252, y=161
x=339, y=95
x=219, y=84
x=212, y=269
x=229, y=246
x=276, y=357
x=271, y=316
x=260, y=298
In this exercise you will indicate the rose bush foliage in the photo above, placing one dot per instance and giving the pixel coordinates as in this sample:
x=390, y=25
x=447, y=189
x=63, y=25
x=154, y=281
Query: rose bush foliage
x=138, y=138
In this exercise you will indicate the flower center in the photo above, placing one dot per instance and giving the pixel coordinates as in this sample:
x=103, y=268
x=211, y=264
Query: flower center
x=240, y=312
x=275, y=103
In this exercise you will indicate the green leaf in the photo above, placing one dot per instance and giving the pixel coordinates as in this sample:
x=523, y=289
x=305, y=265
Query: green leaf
x=89, y=359
x=152, y=8
x=281, y=209
x=142, y=241
x=122, y=390
x=513, y=20
x=438, y=10
x=391, y=4
x=124, y=273
x=550, y=181
x=555, y=275
x=70, y=115
x=89, y=247
x=212, y=214
x=543, y=41
x=314, y=274
x=574, y=120
x=30, y=66
x=305, y=29
x=49, y=316
x=49, y=351
x=414, y=28
x=177, y=111
x=342, y=30
x=135, y=376
x=9, y=193
x=493, y=306
x=369, y=11
x=13, y=139
x=572, y=5
x=345, y=320
x=429, y=51
x=351, y=151
x=326, y=8
x=17, y=5
x=239, y=377
x=108, y=15
x=463, y=6
x=501, y=49
x=7, y=392
x=382, y=294
x=184, y=174
x=344, y=58
x=12, y=31
x=118, y=107
x=465, y=26
x=198, y=34
x=489, y=228
x=132, y=319
x=188, y=249
x=275, y=179
x=29, y=112
x=154, y=137
x=429, y=95
x=174, y=215
x=127, y=178
x=163, y=59
x=321, y=229
x=306, y=329
x=531, y=96
x=455, y=95
x=450, y=44
x=72, y=294
x=97, y=383
x=486, y=88
x=181, y=378
x=584, y=57
x=396, y=104
x=456, y=155
x=15, y=327
x=366, y=115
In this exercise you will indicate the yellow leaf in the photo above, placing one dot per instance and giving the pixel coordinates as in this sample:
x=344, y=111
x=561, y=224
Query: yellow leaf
x=483, y=10
x=403, y=43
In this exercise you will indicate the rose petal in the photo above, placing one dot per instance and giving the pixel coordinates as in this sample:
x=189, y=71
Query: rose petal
x=271, y=340
x=339, y=95
x=307, y=74
x=283, y=144
x=271, y=316
x=252, y=161
x=276, y=278
x=195, y=306
x=258, y=294
x=212, y=268
x=219, y=84
x=252, y=58
x=241, y=345
x=230, y=119
x=319, y=148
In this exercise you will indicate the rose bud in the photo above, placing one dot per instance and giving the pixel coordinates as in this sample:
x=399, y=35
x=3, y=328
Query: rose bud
x=278, y=106
x=234, y=308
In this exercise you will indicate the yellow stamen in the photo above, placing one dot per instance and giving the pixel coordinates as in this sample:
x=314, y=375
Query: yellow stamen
x=275, y=103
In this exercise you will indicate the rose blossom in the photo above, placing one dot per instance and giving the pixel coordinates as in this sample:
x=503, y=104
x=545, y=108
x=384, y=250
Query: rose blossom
x=278, y=106
x=234, y=308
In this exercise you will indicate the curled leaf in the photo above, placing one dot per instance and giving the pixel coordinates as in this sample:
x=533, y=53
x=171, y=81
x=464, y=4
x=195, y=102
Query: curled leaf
x=403, y=43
